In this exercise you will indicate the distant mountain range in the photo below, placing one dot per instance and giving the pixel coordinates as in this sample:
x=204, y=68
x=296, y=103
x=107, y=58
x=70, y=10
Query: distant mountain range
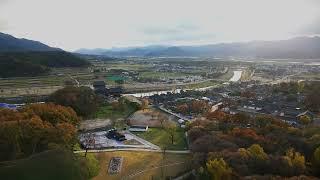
x=23, y=57
x=296, y=48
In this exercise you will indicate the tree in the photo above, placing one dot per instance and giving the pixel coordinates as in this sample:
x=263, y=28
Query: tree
x=52, y=113
x=305, y=120
x=219, y=169
x=36, y=128
x=295, y=161
x=171, y=129
x=313, y=98
x=183, y=108
x=144, y=104
x=316, y=156
x=199, y=106
x=316, y=160
x=115, y=105
x=263, y=120
x=255, y=151
x=81, y=99
x=196, y=132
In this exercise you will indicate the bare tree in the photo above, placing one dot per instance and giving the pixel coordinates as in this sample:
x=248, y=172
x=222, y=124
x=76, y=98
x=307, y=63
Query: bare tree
x=89, y=142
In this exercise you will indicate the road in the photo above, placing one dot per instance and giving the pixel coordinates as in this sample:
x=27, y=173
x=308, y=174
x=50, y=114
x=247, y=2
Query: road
x=136, y=149
x=172, y=113
x=285, y=78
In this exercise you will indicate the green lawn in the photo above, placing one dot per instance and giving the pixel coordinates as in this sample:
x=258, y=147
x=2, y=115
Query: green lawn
x=151, y=74
x=161, y=138
x=107, y=111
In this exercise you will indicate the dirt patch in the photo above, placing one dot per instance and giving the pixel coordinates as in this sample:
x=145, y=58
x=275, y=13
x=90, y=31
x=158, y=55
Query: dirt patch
x=94, y=124
x=149, y=117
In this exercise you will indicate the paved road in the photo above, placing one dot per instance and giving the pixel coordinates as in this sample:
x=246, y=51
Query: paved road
x=135, y=149
x=172, y=113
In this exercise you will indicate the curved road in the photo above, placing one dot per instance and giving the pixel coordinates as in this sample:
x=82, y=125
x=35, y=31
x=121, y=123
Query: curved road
x=135, y=149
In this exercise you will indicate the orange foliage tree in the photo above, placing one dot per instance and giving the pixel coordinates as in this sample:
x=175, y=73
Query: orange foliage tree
x=34, y=128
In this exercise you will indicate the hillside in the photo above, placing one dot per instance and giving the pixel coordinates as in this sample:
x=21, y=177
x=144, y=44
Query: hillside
x=23, y=57
x=9, y=43
x=36, y=63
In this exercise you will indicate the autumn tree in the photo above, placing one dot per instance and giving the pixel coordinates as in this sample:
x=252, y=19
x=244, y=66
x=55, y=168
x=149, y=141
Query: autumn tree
x=36, y=128
x=295, y=162
x=262, y=121
x=305, y=120
x=255, y=151
x=217, y=115
x=183, y=108
x=115, y=105
x=219, y=169
x=312, y=98
x=81, y=99
x=316, y=161
x=144, y=104
x=199, y=106
x=52, y=113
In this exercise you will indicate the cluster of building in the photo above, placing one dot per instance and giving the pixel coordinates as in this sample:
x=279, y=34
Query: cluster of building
x=247, y=97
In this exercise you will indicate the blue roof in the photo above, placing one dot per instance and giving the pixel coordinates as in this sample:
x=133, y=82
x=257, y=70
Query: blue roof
x=8, y=106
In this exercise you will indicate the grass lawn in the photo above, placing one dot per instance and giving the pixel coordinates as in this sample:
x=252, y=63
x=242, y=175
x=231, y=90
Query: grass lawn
x=151, y=74
x=107, y=111
x=144, y=162
x=161, y=138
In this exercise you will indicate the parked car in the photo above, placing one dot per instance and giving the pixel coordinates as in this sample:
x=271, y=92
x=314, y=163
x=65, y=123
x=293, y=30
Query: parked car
x=114, y=134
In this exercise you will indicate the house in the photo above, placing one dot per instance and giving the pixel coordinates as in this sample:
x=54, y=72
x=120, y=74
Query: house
x=117, y=91
x=307, y=113
x=138, y=128
x=100, y=87
x=8, y=106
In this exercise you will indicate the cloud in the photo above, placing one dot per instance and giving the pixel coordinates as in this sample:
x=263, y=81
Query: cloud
x=312, y=28
x=3, y=25
x=74, y=24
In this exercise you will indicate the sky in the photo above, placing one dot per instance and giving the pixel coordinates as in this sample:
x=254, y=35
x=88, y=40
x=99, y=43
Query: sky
x=74, y=24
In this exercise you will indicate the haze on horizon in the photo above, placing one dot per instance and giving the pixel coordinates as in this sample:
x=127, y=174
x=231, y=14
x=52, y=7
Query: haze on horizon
x=74, y=24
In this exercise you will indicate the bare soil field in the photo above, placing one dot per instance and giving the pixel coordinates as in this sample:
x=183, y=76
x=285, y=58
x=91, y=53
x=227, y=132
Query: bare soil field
x=149, y=117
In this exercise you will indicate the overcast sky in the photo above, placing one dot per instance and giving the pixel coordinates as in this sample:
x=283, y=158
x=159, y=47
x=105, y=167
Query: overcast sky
x=73, y=24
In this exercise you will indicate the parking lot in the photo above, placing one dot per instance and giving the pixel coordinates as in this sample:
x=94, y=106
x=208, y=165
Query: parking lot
x=100, y=141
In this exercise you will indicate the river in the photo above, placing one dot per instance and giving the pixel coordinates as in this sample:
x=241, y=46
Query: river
x=236, y=76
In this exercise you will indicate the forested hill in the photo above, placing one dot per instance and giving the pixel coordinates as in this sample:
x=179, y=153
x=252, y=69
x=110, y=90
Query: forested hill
x=24, y=57
x=35, y=63
x=9, y=43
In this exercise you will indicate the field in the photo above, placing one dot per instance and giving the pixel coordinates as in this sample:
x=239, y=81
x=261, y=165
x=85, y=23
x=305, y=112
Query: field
x=146, y=78
x=144, y=165
x=160, y=137
x=107, y=111
x=202, y=84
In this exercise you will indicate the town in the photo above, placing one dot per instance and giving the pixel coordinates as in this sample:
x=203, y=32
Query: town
x=159, y=90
